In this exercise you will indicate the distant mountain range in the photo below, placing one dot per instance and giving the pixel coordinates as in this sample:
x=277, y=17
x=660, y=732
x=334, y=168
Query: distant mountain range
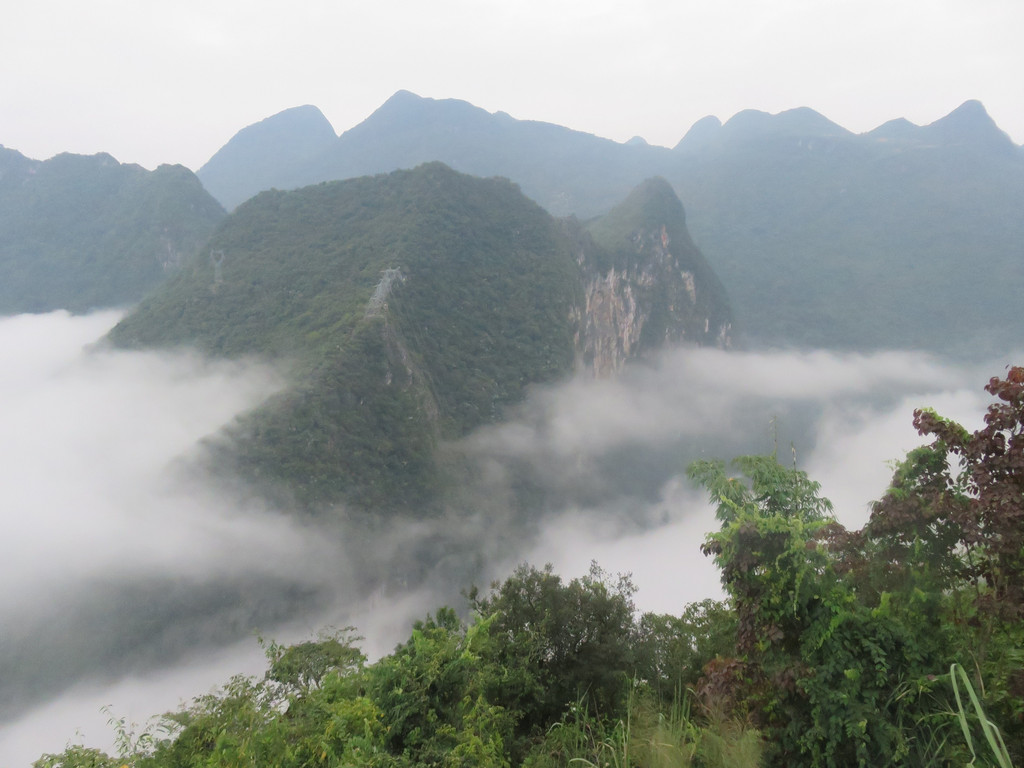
x=416, y=306
x=80, y=232
x=822, y=237
x=902, y=237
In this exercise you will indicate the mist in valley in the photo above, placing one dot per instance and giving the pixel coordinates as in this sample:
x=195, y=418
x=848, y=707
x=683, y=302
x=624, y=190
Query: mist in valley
x=136, y=580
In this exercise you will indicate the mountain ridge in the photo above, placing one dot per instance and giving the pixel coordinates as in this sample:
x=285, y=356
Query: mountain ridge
x=263, y=153
x=80, y=232
x=411, y=116
x=823, y=237
x=415, y=306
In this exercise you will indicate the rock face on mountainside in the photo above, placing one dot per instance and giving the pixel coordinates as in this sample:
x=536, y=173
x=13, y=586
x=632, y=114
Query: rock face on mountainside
x=641, y=283
x=79, y=232
x=416, y=306
x=822, y=237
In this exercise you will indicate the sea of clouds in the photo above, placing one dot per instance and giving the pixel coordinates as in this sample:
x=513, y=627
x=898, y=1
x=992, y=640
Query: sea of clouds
x=133, y=580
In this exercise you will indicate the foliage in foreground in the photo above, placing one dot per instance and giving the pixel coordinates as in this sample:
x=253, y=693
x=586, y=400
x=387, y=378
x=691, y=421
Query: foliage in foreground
x=899, y=644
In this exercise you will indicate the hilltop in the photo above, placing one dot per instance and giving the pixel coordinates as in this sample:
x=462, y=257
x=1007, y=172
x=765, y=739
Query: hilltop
x=415, y=306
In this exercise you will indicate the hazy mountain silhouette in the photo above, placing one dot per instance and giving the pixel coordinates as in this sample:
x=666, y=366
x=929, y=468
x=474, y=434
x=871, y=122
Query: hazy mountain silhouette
x=267, y=154
x=79, y=232
x=822, y=237
x=568, y=172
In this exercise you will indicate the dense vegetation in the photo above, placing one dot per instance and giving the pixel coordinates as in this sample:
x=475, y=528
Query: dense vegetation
x=822, y=238
x=895, y=645
x=81, y=233
x=411, y=308
x=479, y=307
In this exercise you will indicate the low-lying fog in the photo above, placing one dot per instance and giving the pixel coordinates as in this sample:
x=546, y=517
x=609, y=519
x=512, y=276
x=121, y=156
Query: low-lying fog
x=132, y=581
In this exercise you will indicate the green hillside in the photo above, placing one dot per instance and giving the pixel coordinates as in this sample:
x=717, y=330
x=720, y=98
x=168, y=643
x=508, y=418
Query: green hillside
x=477, y=308
x=80, y=232
x=411, y=308
x=822, y=237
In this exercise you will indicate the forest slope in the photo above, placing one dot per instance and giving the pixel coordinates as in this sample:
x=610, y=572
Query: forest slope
x=81, y=232
x=415, y=306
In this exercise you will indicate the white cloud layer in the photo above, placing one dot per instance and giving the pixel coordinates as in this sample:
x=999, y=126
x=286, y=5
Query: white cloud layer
x=99, y=510
x=85, y=458
x=842, y=417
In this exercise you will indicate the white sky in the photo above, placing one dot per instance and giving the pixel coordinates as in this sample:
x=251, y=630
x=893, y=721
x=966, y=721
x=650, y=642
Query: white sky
x=154, y=81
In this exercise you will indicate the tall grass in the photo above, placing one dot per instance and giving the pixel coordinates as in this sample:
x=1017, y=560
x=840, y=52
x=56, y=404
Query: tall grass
x=652, y=734
x=958, y=676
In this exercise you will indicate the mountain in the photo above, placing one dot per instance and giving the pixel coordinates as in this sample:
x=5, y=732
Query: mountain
x=752, y=125
x=568, y=172
x=266, y=154
x=969, y=125
x=822, y=237
x=79, y=232
x=415, y=306
x=646, y=284
x=828, y=239
x=897, y=128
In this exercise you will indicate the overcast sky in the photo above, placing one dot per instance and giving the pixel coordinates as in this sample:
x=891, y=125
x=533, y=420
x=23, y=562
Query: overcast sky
x=170, y=82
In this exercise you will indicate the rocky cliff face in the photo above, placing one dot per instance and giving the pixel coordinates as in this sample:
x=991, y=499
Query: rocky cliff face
x=645, y=284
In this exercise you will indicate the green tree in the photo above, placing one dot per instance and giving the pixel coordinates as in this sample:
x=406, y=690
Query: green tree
x=671, y=651
x=303, y=666
x=431, y=691
x=821, y=671
x=558, y=643
x=951, y=527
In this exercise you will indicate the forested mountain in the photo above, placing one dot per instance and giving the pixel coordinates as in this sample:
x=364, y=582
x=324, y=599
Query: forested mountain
x=415, y=306
x=829, y=239
x=79, y=232
x=821, y=236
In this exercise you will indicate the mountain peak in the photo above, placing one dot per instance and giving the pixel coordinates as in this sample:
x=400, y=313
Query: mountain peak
x=400, y=102
x=302, y=124
x=969, y=124
x=800, y=122
x=256, y=156
x=407, y=113
x=403, y=96
x=654, y=195
x=892, y=129
x=701, y=133
x=971, y=107
x=406, y=104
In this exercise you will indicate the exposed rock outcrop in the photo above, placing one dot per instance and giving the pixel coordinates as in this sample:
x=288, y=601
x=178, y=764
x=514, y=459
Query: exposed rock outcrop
x=646, y=284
